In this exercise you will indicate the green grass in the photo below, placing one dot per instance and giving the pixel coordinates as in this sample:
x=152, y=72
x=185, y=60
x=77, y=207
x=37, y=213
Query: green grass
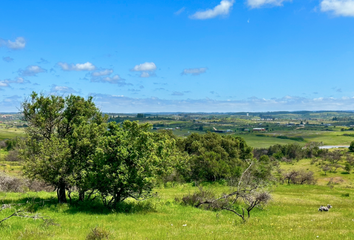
x=269, y=139
x=292, y=214
x=265, y=142
x=8, y=133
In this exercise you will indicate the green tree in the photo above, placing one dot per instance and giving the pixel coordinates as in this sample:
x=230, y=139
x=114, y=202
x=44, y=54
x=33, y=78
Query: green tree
x=214, y=157
x=129, y=161
x=348, y=167
x=351, y=147
x=62, y=133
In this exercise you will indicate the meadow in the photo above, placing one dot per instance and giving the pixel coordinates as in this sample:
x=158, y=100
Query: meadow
x=291, y=214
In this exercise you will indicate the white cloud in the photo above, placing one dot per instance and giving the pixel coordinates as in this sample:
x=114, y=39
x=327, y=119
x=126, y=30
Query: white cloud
x=147, y=66
x=145, y=75
x=31, y=71
x=147, y=69
x=77, y=67
x=104, y=72
x=62, y=89
x=115, y=79
x=19, y=43
x=180, y=11
x=338, y=7
x=260, y=3
x=222, y=9
x=194, y=71
x=3, y=84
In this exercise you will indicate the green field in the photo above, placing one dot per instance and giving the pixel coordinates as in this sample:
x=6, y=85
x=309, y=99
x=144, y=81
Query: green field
x=8, y=133
x=264, y=140
x=292, y=214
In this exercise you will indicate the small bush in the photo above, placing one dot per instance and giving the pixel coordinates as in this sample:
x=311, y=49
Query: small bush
x=197, y=197
x=13, y=156
x=11, y=184
x=14, y=184
x=98, y=233
x=345, y=195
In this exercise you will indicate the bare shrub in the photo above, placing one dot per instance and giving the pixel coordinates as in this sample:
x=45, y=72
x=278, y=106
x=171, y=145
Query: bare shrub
x=196, y=198
x=11, y=184
x=98, y=233
x=37, y=186
x=14, y=184
x=246, y=194
x=13, y=156
x=2, y=144
x=299, y=177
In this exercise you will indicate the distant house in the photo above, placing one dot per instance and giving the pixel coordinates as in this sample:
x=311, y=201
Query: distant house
x=259, y=129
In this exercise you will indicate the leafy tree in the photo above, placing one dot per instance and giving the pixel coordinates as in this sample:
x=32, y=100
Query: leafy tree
x=214, y=157
x=128, y=162
x=62, y=133
x=351, y=147
x=347, y=167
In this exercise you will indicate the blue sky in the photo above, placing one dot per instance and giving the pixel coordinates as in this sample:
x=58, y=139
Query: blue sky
x=185, y=56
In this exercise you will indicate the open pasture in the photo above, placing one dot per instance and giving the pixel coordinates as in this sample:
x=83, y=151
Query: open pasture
x=292, y=214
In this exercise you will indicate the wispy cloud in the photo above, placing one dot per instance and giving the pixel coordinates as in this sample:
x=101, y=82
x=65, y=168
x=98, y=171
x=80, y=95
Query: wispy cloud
x=220, y=10
x=11, y=104
x=19, y=43
x=4, y=84
x=261, y=3
x=62, y=89
x=7, y=59
x=104, y=72
x=343, y=8
x=42, y=61
x=194, y=71
x=146, y=69
x=31, y=71
x=180, y=11
x=115, y=79
x=77, y=67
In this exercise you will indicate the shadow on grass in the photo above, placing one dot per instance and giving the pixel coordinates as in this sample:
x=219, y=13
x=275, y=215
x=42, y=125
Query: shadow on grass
x=37, y=204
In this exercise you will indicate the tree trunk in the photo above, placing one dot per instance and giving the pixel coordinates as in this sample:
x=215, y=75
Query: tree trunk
x=61, y=192
x=81, y=195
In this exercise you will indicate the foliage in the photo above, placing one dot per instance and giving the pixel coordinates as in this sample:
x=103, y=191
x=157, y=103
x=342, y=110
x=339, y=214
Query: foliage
x=351, y=147
x=347, y=167
x=128, y=162
x=214, y=157
x=62, y=133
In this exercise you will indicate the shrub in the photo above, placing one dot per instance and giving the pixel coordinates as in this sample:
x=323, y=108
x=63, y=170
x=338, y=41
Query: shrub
x=11, y=184
x=351, y=147
x=13, y=156
x=98, y=233
x=348, y=167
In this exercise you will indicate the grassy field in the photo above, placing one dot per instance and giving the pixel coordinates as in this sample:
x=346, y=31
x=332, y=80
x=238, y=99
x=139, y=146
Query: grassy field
x=326, y=137
x=8, y=133
x=292, y=214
